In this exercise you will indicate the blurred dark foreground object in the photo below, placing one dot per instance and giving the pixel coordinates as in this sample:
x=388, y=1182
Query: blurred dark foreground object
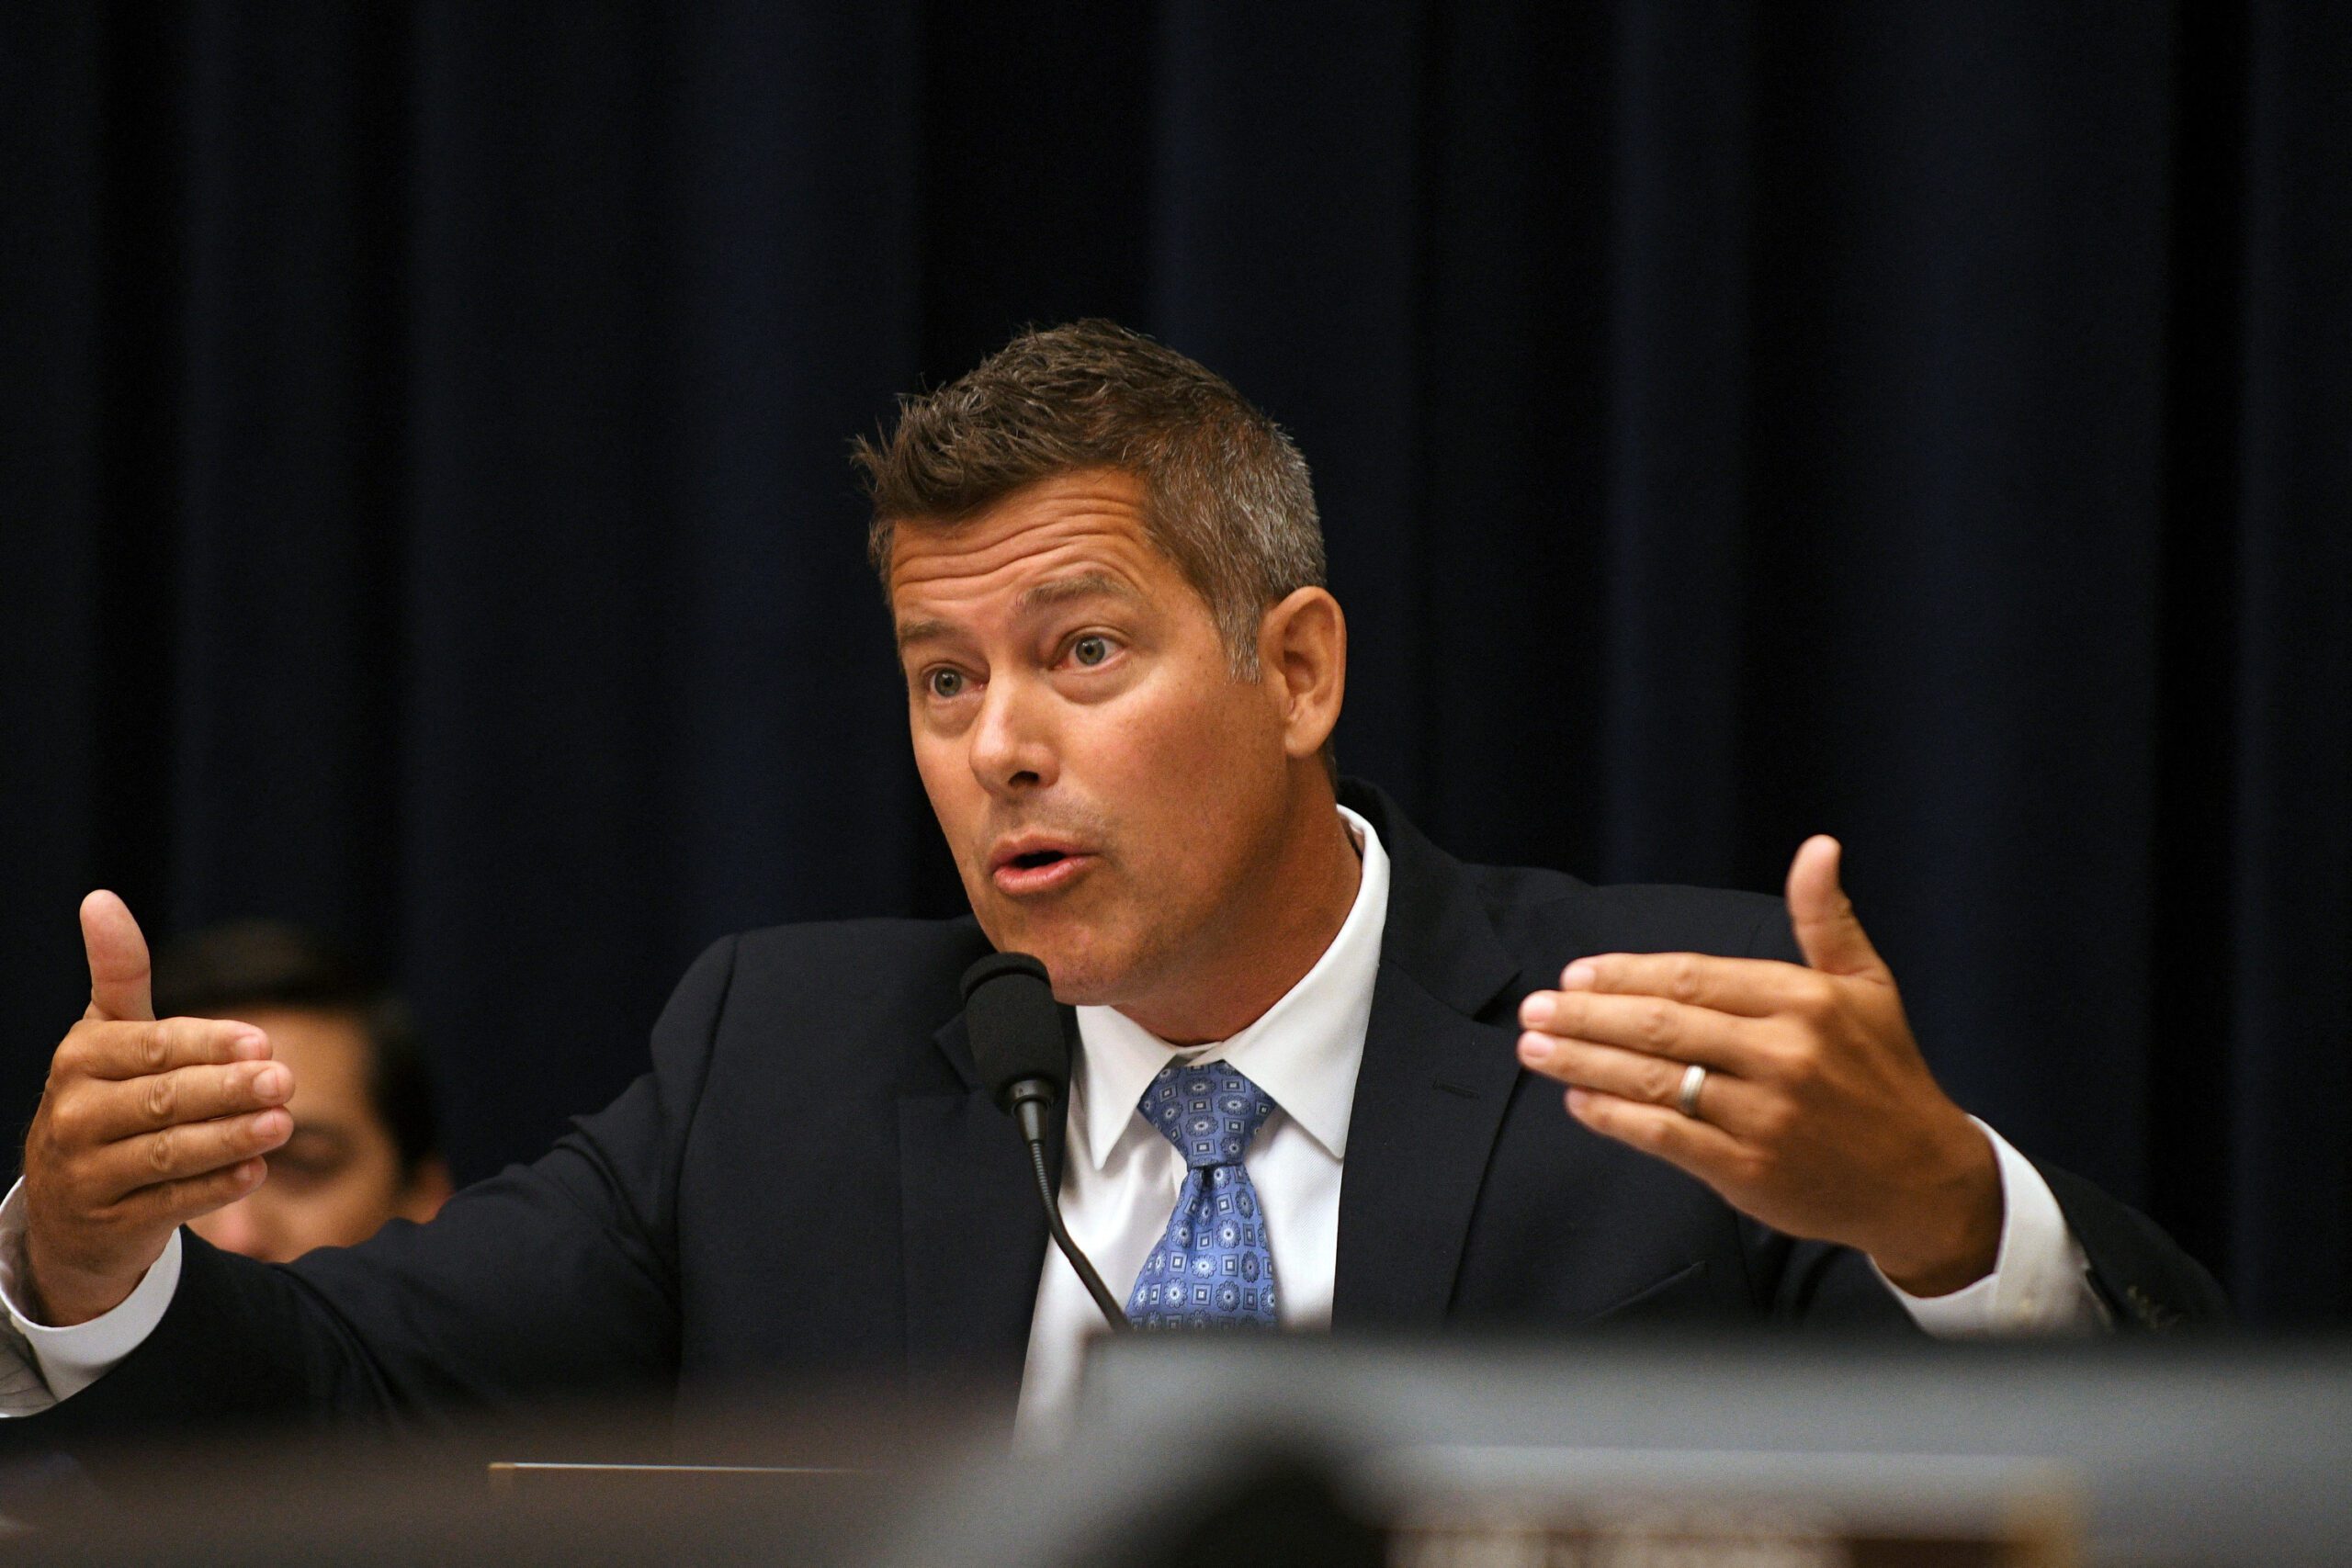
x=1229, y=1453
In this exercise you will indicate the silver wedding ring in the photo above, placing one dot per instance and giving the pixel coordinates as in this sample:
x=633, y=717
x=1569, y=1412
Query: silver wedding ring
x=1686, y=1099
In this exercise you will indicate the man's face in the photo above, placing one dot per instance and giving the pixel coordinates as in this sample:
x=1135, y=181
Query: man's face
x=1112, y=796
x=338, y=1178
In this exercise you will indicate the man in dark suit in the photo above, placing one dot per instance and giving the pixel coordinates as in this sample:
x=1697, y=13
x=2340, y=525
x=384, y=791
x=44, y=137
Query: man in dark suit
x=1122, y=672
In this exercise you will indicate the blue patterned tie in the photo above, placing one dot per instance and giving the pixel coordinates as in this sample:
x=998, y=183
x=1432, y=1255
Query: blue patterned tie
x=1212, y=1269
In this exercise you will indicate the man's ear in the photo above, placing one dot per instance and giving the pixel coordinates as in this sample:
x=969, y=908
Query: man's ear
x=427, y=1188
x=1302, y=659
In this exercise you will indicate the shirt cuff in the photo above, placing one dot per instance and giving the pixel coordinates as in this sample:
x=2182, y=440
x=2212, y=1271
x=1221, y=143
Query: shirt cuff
x=2041, y=1279
x=72, y=1359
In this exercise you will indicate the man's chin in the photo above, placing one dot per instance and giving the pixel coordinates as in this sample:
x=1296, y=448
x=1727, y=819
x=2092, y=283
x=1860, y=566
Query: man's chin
x=1081, y=978
x=1086, y=971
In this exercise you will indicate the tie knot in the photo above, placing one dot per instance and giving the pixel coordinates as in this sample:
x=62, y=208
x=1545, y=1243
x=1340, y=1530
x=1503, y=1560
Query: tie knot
x=1209, y=1112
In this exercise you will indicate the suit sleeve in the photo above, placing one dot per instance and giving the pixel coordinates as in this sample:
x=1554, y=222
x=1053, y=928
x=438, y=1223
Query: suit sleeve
x=2148, y=1283
x=556, y=1276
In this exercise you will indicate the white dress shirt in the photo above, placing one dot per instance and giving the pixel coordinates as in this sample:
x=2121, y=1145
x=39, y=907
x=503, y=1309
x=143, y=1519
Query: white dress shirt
x=1120, y=1180
x=65, y=1361
x=1121, y=1175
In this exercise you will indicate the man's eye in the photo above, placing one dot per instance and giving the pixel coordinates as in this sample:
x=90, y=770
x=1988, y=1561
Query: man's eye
x=1091, y=650
x=300, y=1172
x=945, y=682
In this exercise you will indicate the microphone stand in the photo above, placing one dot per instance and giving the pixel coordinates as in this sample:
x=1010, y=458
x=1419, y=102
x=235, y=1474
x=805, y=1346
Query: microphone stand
x=1031, y=1099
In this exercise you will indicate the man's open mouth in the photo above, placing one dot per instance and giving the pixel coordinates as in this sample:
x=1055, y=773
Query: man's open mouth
x=1035, y=867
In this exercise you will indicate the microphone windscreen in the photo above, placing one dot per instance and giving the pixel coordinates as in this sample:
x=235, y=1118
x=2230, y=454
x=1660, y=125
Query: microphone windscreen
x=1014, y=1025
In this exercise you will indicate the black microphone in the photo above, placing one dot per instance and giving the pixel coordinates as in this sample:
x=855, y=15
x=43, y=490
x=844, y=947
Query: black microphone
x=1022, y=1053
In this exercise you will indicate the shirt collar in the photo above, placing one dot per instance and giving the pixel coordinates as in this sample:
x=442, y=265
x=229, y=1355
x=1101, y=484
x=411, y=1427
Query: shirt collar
x=1303, y=1051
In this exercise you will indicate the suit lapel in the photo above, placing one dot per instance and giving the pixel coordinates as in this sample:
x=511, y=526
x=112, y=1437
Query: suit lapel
x=1431, y=1092
x=1428, y=1102
x=974, y=1232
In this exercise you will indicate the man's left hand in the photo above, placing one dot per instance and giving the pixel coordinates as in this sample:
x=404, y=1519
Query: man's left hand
x=1818, y=1114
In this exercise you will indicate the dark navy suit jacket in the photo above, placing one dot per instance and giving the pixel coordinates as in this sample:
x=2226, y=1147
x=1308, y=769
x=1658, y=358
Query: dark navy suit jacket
x=809, y=1182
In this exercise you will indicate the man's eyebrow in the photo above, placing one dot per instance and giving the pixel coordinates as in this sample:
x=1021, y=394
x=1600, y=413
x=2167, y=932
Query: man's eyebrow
x=922, y=631
x=1042, y=596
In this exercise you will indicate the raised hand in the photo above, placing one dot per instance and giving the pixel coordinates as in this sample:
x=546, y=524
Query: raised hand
x=1815, y=1113
x=143, y=1124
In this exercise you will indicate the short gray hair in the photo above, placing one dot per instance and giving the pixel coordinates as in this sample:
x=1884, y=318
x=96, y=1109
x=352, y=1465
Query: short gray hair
x=1227, y=496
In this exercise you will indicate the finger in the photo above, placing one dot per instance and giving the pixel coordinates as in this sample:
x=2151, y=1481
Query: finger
x=117, y=955
x=193, y=1197
x=1729, y=1102
x=1822, y=916
x=1649, y=1024
x=191, y=1149
x=1750, y=987
x=1706, y=1151
x=185, y=1094
x=140, y=1050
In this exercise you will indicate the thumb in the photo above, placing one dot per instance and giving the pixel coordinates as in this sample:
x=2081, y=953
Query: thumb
x=1822, y=916
x=118, y=989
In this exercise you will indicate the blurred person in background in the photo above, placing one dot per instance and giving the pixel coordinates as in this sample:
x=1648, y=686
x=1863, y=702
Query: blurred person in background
x=364, y=1150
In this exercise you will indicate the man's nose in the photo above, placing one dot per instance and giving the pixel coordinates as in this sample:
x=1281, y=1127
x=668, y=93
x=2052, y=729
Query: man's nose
x=237, y=1228
x=1013, y=742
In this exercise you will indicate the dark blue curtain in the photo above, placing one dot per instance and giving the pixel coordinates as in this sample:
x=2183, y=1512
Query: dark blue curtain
x=423, y=512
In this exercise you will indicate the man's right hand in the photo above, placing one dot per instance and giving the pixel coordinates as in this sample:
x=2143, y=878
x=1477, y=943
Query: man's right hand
x=143, y=1125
